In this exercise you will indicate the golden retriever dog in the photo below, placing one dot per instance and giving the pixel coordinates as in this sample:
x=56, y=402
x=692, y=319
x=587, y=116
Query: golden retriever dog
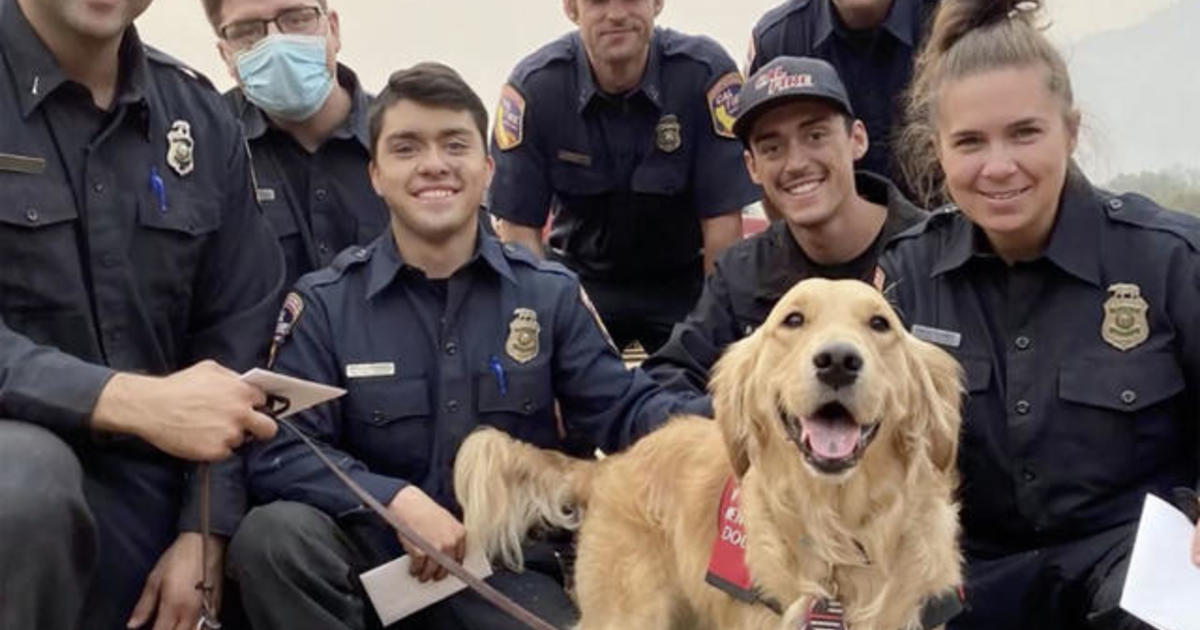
x=841, y=428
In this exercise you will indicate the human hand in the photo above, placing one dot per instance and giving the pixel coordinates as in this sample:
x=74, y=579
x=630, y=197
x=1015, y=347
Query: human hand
x=201, y=413
x=171, y=586
x=433, y=523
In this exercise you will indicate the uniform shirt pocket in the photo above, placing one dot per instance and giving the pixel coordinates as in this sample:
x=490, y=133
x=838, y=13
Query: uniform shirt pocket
x=1126, y=384
x=1123, y=411
x=525, y=395
x=662, y=174
x=37, y=234
x=388, y=424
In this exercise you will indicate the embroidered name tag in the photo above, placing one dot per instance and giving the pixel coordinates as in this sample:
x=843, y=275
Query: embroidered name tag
x=947, y=338
x=727, y=564
x=368, y=370
x=22, y=164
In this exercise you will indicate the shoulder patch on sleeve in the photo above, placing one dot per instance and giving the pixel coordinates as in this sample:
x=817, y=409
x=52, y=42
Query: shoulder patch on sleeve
x=510, y=119
x=721, y=97
x=293, y=306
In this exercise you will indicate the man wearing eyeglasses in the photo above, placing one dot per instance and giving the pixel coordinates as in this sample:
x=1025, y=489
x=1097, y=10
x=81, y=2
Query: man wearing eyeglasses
x=305, y=118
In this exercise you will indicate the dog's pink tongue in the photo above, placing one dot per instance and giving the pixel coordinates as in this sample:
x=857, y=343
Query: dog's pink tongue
x=830, y=439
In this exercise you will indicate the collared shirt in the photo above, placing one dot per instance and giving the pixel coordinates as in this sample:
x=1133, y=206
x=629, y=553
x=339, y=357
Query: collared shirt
x=629, y=177
x=750, y=278
x=425, y=362
x=875, y=65
x=321, y=202
x=111, y=258
x=1082, y=366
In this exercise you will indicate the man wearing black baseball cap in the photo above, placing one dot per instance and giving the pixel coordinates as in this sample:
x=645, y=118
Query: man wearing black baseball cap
x=801, y=140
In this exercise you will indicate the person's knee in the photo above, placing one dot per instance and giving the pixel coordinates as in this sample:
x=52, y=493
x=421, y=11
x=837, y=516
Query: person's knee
x=41, y=485
x=275, y=537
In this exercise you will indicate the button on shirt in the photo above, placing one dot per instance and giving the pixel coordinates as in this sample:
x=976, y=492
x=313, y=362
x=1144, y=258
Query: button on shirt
x=751, y=277
x=425, y=362
x=318, y=203
x=110, y=259
x=627, y=196
x=875, y=65
x=1067, y=427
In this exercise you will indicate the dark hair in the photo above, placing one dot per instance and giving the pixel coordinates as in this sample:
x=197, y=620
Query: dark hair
x=969, y=37
x=431, y=84
x=212, y=8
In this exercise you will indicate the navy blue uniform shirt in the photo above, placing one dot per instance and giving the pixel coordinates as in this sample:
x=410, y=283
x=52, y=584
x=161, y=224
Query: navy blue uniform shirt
x=426, y=361
x=875, y=65
x=318, y=203
x=1082, y=366
x=111, y=258
x=628, y=177
x=751, y=277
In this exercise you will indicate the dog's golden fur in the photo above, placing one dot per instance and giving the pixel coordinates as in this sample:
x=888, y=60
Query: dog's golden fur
x=881, y=537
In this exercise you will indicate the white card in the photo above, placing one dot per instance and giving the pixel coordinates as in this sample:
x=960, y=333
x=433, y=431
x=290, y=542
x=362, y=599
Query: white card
x=301, y=393
x=395, y=594
x=1162, y=584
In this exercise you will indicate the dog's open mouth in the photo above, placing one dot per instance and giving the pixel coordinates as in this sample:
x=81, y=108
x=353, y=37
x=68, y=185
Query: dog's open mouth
x=830, y=438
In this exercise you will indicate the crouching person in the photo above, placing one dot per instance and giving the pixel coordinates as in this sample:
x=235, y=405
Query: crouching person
x=433, y=329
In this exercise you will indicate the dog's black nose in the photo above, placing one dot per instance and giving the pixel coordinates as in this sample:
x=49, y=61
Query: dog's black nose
x=838, y=364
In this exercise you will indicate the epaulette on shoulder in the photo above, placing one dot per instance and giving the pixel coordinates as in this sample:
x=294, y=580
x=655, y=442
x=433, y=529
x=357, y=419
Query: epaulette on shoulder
x=1135, y=209
x=936, y=220
x=557, y=50
x=779, y=14
x=347, y=259
x=157, y=56
x=702, y=48
x=519, y=254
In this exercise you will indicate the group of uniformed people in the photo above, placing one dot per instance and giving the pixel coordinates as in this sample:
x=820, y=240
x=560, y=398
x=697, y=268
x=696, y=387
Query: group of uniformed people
x=156, y=240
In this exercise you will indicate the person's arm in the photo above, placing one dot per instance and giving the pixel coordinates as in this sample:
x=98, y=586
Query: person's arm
x=520, y=193
x=604, y=405
x=721, y=186
x=286, y=469
x=719, y=233
x=683, y=363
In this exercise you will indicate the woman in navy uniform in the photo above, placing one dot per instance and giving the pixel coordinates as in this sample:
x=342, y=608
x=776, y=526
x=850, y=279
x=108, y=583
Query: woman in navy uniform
x=1073, y=312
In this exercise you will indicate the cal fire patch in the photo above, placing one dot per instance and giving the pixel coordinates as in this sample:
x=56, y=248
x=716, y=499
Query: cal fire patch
x=721, y=99
x=510, y=119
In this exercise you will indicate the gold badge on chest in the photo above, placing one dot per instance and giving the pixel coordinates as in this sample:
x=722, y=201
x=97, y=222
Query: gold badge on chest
x=523, y=332
x=181, y=148
x=1125, y=326
x=668, y=135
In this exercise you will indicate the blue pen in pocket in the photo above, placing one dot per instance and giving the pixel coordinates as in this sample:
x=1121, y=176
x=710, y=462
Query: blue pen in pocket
x=158, y=188
x=498, y=369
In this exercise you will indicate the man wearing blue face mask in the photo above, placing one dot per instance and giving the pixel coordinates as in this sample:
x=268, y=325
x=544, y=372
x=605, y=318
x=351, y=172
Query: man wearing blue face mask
x=305, y=118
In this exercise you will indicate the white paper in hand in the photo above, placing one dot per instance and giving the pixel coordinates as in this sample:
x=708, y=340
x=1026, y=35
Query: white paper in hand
x=300, y=393
x=1162, y=584
x=396, y=594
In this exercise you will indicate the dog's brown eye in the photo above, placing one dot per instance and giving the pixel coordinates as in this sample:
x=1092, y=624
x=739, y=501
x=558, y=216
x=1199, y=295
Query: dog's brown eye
x=879, y=323
x=794, y=320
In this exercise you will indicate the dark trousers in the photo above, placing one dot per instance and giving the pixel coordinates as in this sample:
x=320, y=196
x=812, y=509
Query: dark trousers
x=644, y=310
x=79, y=529
x=297, y=568
x=1073, y=586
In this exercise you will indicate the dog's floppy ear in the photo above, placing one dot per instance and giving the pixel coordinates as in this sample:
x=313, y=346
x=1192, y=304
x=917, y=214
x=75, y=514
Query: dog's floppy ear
x=936, y=401
x=729, y=386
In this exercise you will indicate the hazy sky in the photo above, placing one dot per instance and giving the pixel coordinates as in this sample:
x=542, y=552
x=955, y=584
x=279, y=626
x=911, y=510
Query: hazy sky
x=483, y=39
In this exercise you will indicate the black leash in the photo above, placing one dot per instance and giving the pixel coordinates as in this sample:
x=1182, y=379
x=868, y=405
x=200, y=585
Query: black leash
x=277, y=405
